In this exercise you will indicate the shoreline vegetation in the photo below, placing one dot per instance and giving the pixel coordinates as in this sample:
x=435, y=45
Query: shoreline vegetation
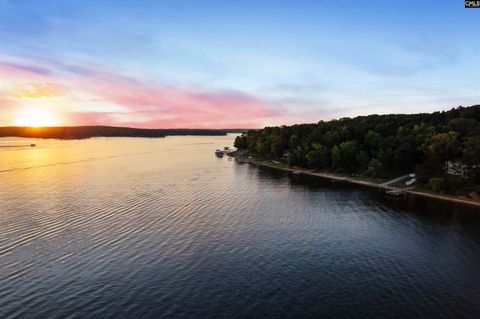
x=84, y=132
x=354, y=180
x=434, y=154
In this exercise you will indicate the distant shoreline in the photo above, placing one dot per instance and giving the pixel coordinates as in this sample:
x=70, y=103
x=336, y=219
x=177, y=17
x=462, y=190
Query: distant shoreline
x=85, y=132
x=349, y=180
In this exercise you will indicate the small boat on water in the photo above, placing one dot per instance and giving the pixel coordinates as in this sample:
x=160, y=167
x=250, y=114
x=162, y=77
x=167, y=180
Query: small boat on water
x=17, y=146
x=219, y=153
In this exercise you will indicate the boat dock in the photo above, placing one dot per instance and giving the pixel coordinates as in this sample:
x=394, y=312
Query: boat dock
x=226, y=151
x=394, y=191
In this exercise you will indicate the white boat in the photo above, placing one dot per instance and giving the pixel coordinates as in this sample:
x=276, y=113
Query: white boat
x=219, y=153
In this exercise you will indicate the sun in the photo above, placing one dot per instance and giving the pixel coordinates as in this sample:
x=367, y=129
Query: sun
x=37, y=116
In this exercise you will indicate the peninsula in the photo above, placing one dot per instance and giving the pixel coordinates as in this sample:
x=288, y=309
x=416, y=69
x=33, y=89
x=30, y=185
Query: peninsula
x=436, y=153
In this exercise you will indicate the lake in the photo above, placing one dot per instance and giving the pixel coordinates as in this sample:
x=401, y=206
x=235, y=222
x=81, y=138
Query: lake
x=161, y=228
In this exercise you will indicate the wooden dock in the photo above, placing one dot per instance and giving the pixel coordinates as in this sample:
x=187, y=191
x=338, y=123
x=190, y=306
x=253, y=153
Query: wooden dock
x=397, y=191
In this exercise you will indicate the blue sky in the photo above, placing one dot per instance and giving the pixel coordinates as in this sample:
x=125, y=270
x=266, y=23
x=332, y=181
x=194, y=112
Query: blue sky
x=294, y=61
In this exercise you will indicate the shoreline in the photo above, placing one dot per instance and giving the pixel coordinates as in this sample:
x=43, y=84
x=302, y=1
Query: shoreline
x=353, y=181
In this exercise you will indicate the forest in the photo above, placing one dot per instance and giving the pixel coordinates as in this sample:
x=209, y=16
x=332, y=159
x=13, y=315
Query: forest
x=442, y=148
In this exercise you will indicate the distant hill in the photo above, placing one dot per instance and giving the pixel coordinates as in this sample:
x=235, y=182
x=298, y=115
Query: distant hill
x=81, y=132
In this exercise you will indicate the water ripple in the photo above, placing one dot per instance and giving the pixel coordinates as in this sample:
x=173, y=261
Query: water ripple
x=145, y=228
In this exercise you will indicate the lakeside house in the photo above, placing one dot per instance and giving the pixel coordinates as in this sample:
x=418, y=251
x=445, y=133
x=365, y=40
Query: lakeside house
x=456, y=168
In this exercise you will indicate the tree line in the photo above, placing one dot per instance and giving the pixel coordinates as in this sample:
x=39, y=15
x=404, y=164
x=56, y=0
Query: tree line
x=380, y=146
x=82, y=132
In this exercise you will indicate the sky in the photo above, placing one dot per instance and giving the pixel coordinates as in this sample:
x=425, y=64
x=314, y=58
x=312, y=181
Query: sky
x=232, y=64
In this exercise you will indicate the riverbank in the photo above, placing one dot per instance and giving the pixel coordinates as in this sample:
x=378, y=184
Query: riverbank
x=356, y=181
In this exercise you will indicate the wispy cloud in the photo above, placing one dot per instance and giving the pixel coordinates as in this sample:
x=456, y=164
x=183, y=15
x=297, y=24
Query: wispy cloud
x=35, y=90
x=23, y=69
x=139, y=102
x=191, y=64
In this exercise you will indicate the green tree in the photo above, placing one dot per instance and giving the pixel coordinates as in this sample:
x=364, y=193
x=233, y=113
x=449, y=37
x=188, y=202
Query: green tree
x=363, y=160
x=297, y=156
x=375, y=168
x=372, y=140
x=437, y=184
x=251, y=143
x=463, y=125
x=276, y=146
x=318, y=156
x=240, y=142
x=336, y=156
x=442, y=147
x=471, y=151
x=294, y=142
x=263, y=148
x=348, y=151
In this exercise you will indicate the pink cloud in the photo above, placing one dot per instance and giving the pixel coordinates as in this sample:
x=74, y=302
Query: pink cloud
x=6, y=110
x=144, y=104
x=89, y=118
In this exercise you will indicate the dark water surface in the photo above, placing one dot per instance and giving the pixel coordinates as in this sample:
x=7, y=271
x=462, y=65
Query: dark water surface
x=161, y=228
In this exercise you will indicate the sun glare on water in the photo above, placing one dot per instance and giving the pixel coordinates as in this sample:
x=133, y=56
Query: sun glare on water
x=37, y=117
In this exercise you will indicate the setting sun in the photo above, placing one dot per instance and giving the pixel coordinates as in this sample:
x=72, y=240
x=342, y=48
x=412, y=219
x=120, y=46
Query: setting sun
x=37, y=117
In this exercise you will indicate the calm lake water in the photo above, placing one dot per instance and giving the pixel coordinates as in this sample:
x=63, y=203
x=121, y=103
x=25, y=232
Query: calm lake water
x=161, y=228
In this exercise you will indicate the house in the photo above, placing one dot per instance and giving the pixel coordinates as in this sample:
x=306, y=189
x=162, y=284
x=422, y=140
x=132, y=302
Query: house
x=458, y=169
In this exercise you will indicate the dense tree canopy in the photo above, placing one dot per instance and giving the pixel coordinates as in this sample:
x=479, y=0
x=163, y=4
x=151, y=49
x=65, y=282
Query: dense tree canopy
x=377, y=145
